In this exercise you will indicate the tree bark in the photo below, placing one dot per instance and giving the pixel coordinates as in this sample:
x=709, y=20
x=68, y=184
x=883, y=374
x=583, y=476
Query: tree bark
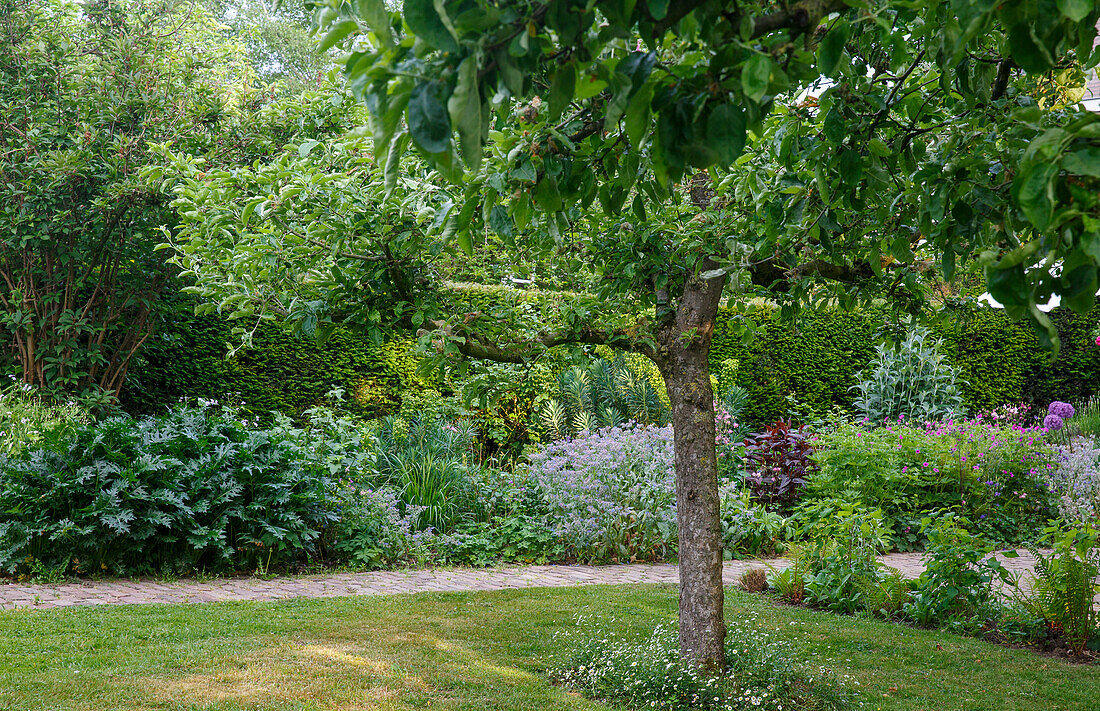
x=684, y=340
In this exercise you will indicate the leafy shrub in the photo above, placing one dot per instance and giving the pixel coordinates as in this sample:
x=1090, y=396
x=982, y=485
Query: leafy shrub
x=181, y=492
x=611, y=492
x=649, y=672
x=749, y=529
x=957, y=582
x=26, y=416
x=842, y=571
x=994, y=476
x=1063, y=587
x=606, y=394
x=778, y=461
x=515, y=526
x=914, y=382
x=374, y=530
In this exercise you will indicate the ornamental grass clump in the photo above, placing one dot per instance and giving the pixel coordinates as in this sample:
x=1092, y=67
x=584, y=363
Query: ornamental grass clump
x=649, y=671
x=611, y=492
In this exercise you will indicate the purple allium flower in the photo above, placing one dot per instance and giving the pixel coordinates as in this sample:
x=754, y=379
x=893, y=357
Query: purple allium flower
x=1053, y=422
x=1061, y=409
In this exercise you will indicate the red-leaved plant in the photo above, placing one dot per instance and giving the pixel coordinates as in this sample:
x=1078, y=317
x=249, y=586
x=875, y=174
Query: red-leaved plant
x=778, y=461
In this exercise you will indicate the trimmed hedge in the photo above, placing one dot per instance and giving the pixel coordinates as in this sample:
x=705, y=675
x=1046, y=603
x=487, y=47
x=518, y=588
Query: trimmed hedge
x=816, y=359
x=280, y=373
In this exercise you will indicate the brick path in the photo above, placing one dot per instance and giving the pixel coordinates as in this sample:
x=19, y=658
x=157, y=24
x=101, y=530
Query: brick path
x=127, y=592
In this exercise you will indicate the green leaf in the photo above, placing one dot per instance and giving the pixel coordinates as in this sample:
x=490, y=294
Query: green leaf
x=755, y=76
x=948, y=263
x=832, y=48
x=638, y=206
x=879, y=148
x=1080, y=283
x=500, y=221
x=428, y=122
x=510, y=73
x=464, y=108
x=440, y=216
x=1046, y=331
x=637, y=115
x=1008, y=286
x=424, y=21
x=393, y=162
x=465, y=242
x=637, y=67
x=1083, y=162
x=1028, y=52
x=561, y=90
x=658, y=9
x=249, y=209
x=335, y=34
x=1033, y=189
x=588, y=87
x=376, y=15
x=1075, y=10
x=306, y=147
x=726, y=132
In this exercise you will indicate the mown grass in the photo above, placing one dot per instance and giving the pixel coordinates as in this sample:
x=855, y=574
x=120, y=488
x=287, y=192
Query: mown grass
x=463, y=651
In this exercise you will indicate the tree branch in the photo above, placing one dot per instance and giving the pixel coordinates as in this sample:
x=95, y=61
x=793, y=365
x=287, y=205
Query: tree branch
x=800, y=17
x=476, y=345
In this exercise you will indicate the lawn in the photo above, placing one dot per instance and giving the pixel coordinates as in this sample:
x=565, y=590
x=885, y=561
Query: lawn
x=461, y=651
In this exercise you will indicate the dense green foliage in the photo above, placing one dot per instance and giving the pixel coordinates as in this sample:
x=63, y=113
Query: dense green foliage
x=994, y=476
x=188, y=491
x=26, y=417
x=280, y=372
x=85, y=91
x=814, y=359
x=817, y=357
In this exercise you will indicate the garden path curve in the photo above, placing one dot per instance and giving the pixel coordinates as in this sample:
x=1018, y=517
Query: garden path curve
x=133, y=592
x=100, y=592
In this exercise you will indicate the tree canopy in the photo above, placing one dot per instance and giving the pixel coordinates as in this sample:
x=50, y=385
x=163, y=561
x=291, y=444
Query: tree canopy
x=683, y=152
x=945, y=127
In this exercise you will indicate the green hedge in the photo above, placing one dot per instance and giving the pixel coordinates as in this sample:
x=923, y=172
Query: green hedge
x=816, y=359
x=279, y=373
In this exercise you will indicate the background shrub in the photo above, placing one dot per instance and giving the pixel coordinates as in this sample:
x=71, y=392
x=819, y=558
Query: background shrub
x=995, y=476
x=27, y=416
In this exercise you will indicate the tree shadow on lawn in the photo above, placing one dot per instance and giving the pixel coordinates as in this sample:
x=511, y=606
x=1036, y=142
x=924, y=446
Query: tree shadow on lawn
x=466, y=651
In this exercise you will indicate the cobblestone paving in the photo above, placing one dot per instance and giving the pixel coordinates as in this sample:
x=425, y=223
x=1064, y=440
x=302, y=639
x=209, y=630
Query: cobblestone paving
x=135, y=592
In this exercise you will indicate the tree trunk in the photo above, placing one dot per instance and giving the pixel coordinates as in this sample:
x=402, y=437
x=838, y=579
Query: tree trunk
x=683, y=345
